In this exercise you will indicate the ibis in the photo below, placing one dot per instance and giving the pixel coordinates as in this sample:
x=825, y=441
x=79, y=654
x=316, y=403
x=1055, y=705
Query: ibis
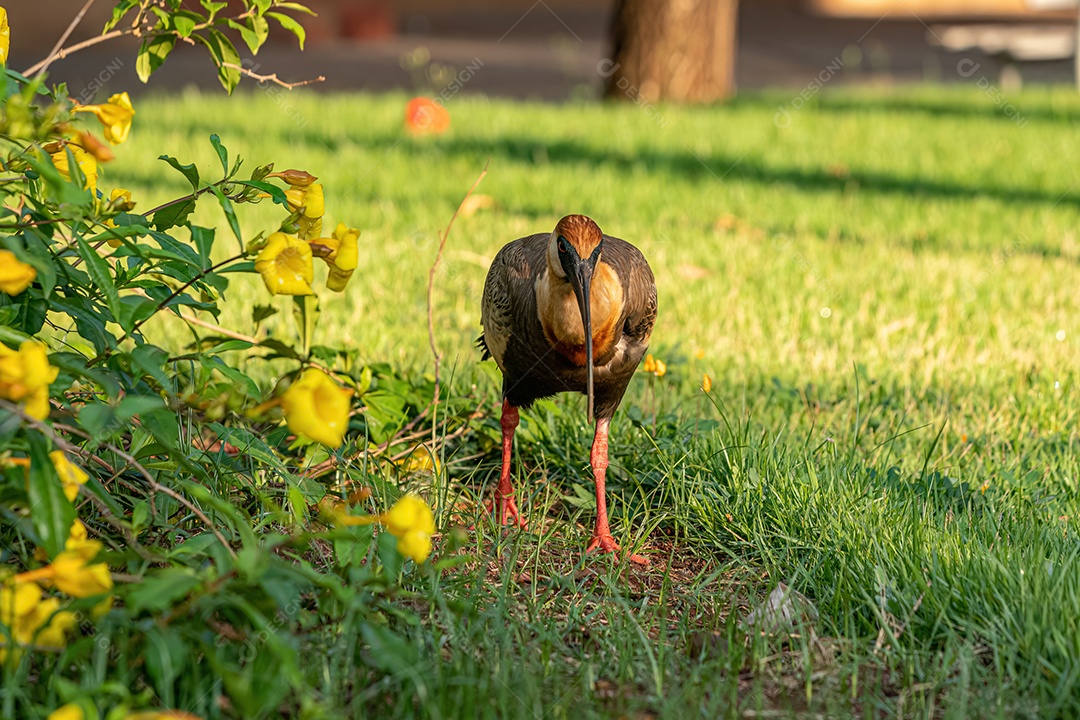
x=571, y=310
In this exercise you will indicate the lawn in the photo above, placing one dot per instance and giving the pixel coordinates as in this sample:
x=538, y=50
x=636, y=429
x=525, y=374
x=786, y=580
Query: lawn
x=883, y=294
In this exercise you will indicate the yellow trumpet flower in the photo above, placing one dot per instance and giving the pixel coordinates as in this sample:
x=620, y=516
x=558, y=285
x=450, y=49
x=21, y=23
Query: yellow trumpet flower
x=25, y=376
x=15, y=275
x=411, y=521
x=5, y=36
x=285, y=265
x=317, y=408
x=83, y=159
x=114, y=116
x=309, y=199
x=343, y=257
x=30, y=619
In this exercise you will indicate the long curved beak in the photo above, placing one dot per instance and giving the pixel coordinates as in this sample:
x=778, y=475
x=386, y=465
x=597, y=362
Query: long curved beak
x=581, y=281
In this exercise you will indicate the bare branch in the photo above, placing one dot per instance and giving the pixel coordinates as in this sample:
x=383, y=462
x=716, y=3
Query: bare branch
x=51, y=432
x=272, y=77
x=57, y=51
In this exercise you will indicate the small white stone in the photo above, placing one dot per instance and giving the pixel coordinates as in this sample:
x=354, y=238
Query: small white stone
x=825, y=312
x=1060, y=336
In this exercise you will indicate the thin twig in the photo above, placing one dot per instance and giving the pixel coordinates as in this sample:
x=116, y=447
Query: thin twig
x=164, y=303
x=431, y=302
x=42, y=66
x=219, y=329
x=75, y=48
x=154, y=484
x=272, y=77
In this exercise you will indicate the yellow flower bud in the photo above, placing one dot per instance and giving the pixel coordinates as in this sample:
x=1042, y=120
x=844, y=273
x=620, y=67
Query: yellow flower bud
x=71, y=711
x=71, y=477
x=295, y=178
x=654, y=366
x=15, y=275
x=120, y=199
x=309, y=200
x=706, y=383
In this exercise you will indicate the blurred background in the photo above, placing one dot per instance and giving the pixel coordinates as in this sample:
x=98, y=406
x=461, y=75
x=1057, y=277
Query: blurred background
x=558, y=50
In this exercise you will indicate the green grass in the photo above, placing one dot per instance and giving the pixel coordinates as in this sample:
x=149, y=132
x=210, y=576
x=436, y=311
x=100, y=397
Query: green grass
x=884, y=295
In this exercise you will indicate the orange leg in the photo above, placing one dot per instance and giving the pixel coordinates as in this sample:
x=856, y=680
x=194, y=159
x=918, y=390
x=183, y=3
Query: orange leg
x=602, y=539
x=503, y=504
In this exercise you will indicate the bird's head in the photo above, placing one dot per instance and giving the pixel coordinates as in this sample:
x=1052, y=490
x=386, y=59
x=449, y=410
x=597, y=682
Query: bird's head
x=573, y=252
x=575, y=239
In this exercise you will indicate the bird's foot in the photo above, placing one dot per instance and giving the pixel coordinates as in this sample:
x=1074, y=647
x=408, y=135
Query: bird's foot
x=606, y=544
x=506, y=511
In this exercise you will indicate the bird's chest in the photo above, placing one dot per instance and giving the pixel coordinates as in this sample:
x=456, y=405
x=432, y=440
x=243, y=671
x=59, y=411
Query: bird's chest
x=560, y=316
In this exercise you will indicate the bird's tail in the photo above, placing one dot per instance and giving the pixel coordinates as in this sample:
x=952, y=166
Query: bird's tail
x=482, y=344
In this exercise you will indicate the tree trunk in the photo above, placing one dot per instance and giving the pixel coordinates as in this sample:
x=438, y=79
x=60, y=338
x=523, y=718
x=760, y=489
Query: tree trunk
x=676, y=50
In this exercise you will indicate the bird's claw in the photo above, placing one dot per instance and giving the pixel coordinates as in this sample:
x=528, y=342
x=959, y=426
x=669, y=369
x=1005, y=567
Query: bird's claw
x=506, y=511
x=605, y=543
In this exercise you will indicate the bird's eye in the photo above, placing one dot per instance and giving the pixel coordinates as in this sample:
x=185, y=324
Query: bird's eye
x=562, y=244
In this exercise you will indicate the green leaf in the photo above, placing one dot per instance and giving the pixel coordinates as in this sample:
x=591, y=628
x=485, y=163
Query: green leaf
x=213, y=7
x=248, y=444
x=222, y=153
x=189, y=171
x=389, y=556
x=241, y=380
x=134, y=310
x=352, y=550
x=203, y=238
x=185, y=22
x=279, y=349
x=163, y=425
x=151, y=361
x=306, y=312
x=276, y=194
x=288, y=23
x=173, y=215
x=102, y=278
x=230, y=212
x=166, y=656
x=38, y=255
x=51, y=512
x=387, y=651
x=297, y=7
x=262, y=312
x=96, y=419
x=122, y=8
x=254, y=32
x=161, y=590
x=224, y=55
x=152, y=54
x=10, y=335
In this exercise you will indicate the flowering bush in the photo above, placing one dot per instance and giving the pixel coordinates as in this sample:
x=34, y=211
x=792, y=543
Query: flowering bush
x=160, y=511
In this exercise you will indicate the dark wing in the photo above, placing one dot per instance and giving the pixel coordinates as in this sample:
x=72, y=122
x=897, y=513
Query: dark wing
x=639, y=287
x=509, y=302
